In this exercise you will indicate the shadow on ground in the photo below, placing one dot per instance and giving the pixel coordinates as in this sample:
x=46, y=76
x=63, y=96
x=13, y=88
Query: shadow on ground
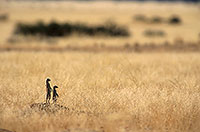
x=4, y=130
x=177, y=46
x=49, y=108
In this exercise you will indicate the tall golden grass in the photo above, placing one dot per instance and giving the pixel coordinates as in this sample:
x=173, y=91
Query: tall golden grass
x=108, y=92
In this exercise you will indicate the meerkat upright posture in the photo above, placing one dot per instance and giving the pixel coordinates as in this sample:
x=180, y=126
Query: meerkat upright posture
x=49, y=89
x=55, y=94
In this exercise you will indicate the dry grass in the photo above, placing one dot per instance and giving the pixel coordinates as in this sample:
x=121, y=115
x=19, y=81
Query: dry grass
x=115, y=91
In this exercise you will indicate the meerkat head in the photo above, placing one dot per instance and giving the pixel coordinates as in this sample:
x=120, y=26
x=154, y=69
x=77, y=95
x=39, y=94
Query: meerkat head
x=55, y=87
x=48, y=79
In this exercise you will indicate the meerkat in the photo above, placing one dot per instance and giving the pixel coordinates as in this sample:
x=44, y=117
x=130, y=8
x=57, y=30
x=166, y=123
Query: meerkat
x=55, y=94
x=49, y=89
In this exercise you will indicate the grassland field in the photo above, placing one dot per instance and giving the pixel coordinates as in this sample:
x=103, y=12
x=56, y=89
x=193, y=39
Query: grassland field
x=104, y=91
x=116, y=91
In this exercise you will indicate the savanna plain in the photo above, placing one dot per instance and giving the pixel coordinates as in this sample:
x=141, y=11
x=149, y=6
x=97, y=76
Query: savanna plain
x=104, y=91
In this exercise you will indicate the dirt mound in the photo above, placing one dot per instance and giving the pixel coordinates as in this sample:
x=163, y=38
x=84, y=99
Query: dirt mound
x=50, y=108
x=79, y=130
x=4, y=130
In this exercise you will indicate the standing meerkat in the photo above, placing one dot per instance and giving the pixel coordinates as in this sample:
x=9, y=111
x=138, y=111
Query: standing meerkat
x=55, y=94
x=49, y=89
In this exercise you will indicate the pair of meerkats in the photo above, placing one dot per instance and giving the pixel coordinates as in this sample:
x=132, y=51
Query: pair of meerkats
x=49, y=90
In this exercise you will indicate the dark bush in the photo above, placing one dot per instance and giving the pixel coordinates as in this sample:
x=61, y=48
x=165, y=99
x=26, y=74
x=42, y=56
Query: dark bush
x=156, y=20
x=140, y=17
x=174, y=20
x=154, y=33
x=3, y=17
x=153, y=19
x=55, y=29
